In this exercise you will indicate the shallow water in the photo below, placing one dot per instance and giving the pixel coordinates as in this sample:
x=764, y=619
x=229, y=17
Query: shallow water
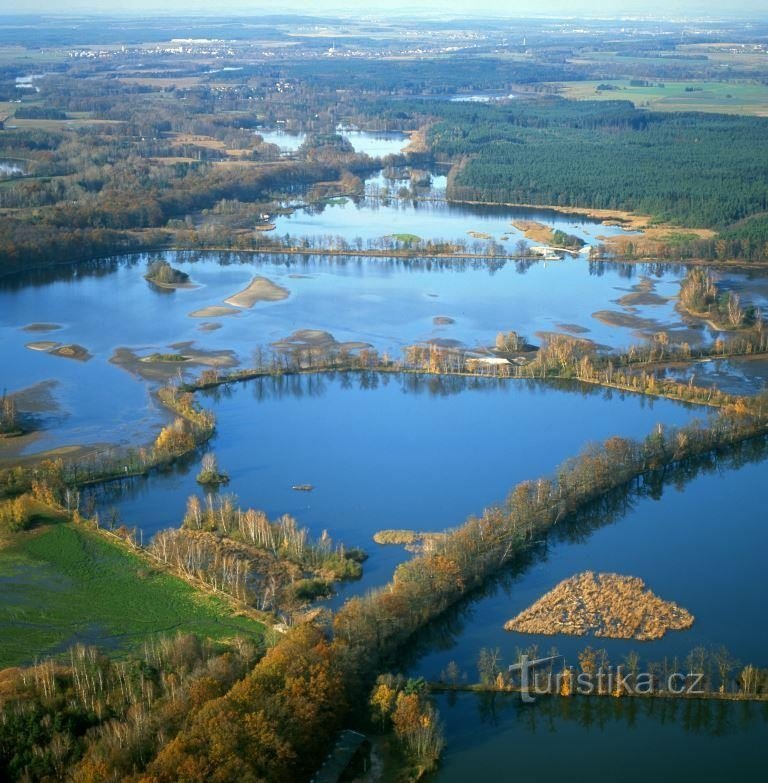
x=734, y=376
x=387, y=304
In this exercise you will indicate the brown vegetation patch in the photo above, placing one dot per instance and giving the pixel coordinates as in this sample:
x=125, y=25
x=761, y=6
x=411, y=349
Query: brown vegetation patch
x=72, y=351
x=260, y=289
x=417, y=140
x=584, y=342
x=609, y=605
x=535, y=231
x=653, y=241
x=413, y=540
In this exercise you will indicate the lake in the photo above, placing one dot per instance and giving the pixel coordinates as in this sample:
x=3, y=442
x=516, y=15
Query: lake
x=387, y=304
x=689, y=541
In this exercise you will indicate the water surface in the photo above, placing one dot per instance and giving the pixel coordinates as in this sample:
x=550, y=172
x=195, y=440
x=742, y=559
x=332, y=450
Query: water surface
x=582, y=740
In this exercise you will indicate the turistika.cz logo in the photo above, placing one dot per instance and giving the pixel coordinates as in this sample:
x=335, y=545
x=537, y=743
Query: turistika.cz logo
x=536, y=681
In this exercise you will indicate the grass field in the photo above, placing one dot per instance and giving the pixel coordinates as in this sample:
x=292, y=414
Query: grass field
x=62, y=583
x=729, y=98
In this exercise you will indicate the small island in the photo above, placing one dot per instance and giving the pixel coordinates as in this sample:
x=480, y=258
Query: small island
x=210, y=474
x=162, y=274
x=608, y=605
x=412, y=540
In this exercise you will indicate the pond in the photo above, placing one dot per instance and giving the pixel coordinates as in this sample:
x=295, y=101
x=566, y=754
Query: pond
x=386, y=451
x=373, y=218
x=375, y=144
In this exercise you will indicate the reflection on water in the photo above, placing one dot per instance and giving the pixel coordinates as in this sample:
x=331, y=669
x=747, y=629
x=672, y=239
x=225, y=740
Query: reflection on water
x=734, y=376
x=498, y=738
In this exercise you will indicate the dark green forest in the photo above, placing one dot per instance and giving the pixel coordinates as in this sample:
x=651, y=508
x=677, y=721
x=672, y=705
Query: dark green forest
x=694, y=169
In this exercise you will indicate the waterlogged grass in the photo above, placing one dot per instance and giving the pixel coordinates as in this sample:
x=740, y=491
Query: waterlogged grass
x=61, y=584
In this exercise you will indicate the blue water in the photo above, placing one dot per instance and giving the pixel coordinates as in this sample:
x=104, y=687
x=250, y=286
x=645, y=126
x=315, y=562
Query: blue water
x=387, y=304
x=583, y=740
x=389, y=452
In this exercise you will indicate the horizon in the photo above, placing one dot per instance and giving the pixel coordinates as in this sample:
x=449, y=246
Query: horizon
x=681, y=10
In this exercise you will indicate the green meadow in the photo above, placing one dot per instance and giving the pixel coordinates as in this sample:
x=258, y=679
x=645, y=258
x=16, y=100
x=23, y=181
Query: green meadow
x=63, y=583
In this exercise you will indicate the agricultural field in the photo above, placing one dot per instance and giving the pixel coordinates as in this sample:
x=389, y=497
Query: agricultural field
x=750, y=98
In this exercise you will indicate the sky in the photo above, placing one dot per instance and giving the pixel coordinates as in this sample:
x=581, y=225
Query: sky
x=510, y=8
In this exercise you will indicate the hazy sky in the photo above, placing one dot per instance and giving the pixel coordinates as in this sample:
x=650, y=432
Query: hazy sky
x=666, y=8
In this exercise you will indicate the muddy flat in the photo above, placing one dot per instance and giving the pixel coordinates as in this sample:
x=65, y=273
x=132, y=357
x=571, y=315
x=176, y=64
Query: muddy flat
x=213, y=311
x=260, y=289
x=626, y=320
x=573, y=328
x=159, y=370
x=315, y=339
x=41, y=327
x=643, y=293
